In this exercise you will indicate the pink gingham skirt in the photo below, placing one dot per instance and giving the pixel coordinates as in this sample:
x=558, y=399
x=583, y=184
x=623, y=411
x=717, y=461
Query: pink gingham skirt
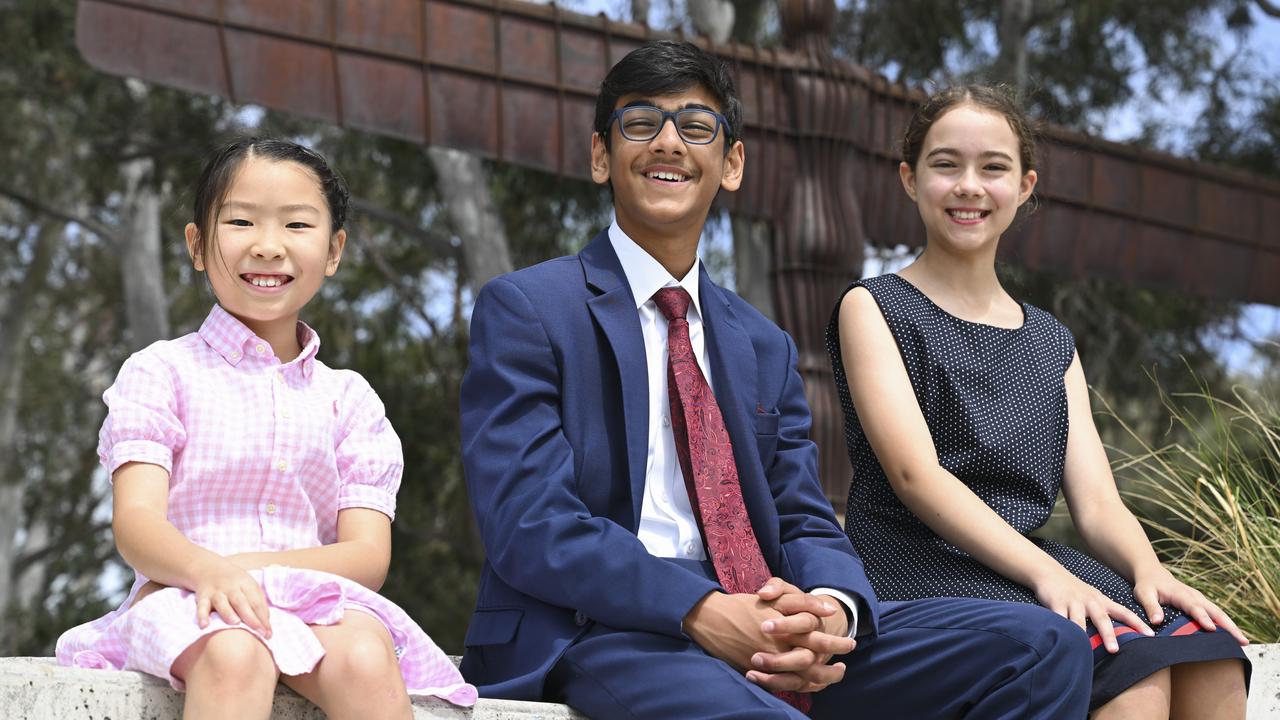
x=150, y=636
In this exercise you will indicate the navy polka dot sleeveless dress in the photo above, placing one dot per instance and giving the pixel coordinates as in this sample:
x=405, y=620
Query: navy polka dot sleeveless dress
x=996, y=406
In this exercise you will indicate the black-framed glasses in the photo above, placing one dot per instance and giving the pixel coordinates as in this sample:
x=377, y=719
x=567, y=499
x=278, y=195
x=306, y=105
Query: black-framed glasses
x=642, y=123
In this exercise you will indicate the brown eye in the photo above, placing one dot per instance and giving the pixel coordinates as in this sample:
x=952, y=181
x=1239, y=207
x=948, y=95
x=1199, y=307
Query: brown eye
x=640, y=124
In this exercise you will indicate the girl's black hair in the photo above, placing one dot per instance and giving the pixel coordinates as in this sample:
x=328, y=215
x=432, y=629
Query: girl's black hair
x=215, y=180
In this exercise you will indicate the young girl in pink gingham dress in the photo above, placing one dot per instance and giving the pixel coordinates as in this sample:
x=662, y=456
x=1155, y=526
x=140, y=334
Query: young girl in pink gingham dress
x=254, y=486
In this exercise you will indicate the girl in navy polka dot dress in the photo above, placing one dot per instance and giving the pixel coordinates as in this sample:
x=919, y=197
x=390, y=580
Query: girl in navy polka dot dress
x=965, y=412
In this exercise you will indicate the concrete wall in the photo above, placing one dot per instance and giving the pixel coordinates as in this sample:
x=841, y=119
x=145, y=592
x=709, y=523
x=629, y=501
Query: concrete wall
x=38, y=689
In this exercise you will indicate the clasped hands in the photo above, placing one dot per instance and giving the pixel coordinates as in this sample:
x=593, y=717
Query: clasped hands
x=780, y=636
x=224, y=585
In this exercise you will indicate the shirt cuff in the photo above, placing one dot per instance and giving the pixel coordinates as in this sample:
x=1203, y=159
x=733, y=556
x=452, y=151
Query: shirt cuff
x=143, y=451
x=850, y=605
x=367, y=496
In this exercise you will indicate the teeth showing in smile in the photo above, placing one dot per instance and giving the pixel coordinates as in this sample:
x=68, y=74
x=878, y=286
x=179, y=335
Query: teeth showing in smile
x=266, y=280
x=668, y=176
x=967, y=214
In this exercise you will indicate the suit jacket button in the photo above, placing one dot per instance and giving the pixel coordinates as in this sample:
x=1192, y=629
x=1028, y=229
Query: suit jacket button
x=579, y=619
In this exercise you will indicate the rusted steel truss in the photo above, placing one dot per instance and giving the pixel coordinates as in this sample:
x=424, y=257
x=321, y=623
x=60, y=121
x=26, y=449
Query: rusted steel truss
x=516, y=82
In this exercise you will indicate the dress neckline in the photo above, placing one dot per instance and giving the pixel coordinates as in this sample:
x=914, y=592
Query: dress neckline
x=940, y=309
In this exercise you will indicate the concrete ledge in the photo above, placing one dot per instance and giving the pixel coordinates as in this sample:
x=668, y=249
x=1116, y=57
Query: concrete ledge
x=39, y=689
x=1264, y=691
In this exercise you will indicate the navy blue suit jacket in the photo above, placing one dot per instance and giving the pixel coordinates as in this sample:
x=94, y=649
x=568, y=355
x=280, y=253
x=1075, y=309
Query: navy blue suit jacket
x=555, y=439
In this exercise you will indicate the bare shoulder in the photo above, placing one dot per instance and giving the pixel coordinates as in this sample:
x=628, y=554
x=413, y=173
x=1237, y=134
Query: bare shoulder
x=860, y=311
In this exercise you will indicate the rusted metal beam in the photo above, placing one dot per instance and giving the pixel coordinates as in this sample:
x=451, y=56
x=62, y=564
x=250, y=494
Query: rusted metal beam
x=516, y=82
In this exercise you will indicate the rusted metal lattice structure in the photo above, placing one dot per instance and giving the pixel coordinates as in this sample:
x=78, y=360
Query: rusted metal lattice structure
x=468, y=74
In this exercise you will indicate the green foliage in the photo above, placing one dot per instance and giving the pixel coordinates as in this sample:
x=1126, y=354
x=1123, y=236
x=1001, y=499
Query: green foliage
x=1213, y=503
x=1120, y=331
x=68, y=130
x=1251, y=142
x=1084, y=57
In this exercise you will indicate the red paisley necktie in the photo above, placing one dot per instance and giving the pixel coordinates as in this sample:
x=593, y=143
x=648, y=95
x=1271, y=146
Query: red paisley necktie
x=706, y=459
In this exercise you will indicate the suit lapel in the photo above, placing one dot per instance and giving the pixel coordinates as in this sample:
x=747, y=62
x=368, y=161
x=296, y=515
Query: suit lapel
x=734, y=374
x=731, y=356
x=614, y=310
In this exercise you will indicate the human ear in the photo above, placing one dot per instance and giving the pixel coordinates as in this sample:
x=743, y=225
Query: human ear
x=336, y=244
x=192, y=234
x=599, y=159
x=734, y=162
x=1027, y=185
x=908, y=177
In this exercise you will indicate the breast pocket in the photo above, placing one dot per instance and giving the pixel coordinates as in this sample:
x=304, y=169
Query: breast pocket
x=766, y=423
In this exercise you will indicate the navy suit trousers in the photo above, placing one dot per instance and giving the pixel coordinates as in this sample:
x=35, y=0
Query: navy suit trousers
x=934, y=658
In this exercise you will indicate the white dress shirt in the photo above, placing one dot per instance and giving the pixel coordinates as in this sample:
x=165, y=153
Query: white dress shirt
x=667, y=524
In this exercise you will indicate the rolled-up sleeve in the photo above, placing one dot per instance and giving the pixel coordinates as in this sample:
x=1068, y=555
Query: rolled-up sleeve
x=143, y=423
x=370, y=458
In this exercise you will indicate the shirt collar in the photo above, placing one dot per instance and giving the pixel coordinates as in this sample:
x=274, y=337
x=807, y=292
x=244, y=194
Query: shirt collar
x=233, y=340
x=645, y=274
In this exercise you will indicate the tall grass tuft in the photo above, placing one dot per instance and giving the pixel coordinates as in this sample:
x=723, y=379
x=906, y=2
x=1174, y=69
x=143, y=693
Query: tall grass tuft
x=1212, y=500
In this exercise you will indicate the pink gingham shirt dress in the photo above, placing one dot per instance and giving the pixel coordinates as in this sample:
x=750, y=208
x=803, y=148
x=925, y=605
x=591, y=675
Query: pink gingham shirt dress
x=261, y=457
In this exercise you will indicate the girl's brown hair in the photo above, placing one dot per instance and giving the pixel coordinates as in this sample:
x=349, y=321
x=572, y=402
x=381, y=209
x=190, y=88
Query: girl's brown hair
x=998, y=99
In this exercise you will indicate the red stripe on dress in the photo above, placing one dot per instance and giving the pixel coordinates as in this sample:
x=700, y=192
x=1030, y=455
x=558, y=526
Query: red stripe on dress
x=1187, y=629
x=1095, y=639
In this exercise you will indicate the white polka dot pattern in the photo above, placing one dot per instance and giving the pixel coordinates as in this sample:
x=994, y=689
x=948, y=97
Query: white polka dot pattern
x=995, y=403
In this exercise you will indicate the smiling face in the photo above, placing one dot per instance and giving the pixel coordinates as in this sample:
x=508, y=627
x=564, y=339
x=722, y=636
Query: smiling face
x=663, y=188
x=272, y=244
x=968, y=182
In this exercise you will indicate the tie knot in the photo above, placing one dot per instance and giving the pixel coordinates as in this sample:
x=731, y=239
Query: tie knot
x=673, y=302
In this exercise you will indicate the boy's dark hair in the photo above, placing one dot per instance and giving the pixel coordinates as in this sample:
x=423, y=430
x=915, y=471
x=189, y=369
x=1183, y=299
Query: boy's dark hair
x=222, y=165
x=662, y=67
x=999, y=99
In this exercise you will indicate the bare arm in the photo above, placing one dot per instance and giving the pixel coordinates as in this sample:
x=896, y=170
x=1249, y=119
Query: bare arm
x=362, y=552
x=1111, y=530
x=156, y=549
x=898, y=433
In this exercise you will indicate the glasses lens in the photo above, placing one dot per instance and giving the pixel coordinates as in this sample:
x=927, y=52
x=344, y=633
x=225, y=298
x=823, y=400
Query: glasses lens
x=641, y=123
x=696, y=126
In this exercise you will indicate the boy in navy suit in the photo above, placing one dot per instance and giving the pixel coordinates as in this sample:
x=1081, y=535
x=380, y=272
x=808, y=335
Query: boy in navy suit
x=635, y=441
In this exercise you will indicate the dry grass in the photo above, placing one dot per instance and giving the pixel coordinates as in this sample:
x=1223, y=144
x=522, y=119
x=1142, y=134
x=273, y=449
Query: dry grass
x=1212, y=500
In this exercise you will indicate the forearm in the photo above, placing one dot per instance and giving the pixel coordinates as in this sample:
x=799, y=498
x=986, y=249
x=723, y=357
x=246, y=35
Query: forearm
x=157, y=550
x=357, y=560
x=1116, y=538
x=960, y=517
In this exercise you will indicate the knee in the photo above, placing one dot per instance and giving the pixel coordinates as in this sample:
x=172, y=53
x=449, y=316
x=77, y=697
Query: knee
x=1063, y=643
x=234, y=659
x=367, y=659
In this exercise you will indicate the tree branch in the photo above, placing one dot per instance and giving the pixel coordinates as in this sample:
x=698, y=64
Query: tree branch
x=406, y=225
x=43, y=208
x=27, y=559
x=1269, y=7
x=409, y=296
x=1043, y=11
